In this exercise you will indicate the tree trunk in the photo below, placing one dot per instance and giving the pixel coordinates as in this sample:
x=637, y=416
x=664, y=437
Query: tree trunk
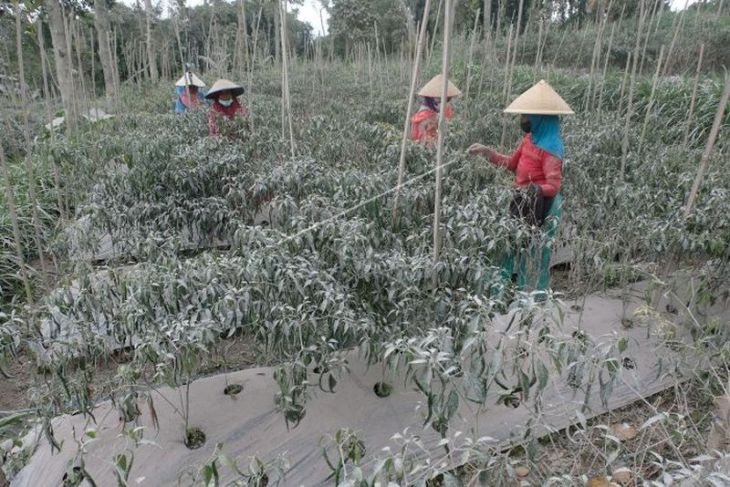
x=150, y=48
x=62, y=60
x=101, y=23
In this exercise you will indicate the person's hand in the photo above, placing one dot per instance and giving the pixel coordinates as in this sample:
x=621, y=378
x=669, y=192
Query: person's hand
x=480, y=150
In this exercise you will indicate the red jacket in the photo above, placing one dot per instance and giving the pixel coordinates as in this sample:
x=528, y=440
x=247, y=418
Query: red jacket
x=424, y=125
x=217, y=111
x=533, y=165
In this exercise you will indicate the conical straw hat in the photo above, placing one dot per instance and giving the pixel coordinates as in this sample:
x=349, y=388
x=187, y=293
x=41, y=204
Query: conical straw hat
x=224, y=85
x=189, y=79
x=434, y=87
x=541, y=99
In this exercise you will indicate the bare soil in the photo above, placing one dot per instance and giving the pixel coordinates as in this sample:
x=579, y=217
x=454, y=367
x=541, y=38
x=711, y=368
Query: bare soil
x=237, y=353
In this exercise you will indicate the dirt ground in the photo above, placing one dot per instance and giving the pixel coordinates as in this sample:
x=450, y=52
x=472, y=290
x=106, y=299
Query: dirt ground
x=237, y=353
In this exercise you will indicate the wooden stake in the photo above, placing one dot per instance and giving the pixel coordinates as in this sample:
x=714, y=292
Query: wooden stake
x=708, y=148
x=411, y=94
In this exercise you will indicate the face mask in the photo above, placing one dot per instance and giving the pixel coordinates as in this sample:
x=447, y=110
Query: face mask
x=226, y=103
x=526, y=126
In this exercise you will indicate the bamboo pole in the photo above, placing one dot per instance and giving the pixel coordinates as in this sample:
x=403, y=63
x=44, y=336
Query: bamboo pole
x=650, y=105
x=685, y=138
x=471, y=55
x=49, y=117
x=708, y=148
x=507, y=67
x=285, y=71
x=435, y=30
x=249, y=80
x=595, y=62
x=605, y=69
x=442, y=127
x=507, y=62
x=407, y=121
x=624, y=80
x=680, y=24
x=630, y=104
x=10, y=197
x=648, y=34
x=28, y=143
x=69, y=50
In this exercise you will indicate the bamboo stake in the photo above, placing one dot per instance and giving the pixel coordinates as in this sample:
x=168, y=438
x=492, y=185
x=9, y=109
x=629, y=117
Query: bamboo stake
x=595, y=61
x=537, y=51
x=435, y=31
x=69, y=50
x=507, y=66
x=680, y=24
x=648, y=34
x=441, y=136
x=84, y=103
x=285, y=71
x=708, y=148
x=650, y=105
x=49, y=117
x=605, y=69
x=407, y=121
x=507, y=62
x=28, y=143
x=630, y=106
x=685, y=139
x=10, y=197
x=514, y=47
x=471, y=55
x=623, y=84
x=251, y=66
x=485, y=60
x=246, y=53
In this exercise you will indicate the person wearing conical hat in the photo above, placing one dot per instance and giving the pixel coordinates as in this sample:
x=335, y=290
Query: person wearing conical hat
x=225, y=107
x=190, y=95
x=538, y=167
x=424, y=123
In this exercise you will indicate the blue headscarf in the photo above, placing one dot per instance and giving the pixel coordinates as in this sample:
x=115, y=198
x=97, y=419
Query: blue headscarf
x=180, y=106
x=545, y=131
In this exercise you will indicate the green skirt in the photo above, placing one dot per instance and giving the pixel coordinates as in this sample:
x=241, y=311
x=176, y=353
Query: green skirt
x=533, y=261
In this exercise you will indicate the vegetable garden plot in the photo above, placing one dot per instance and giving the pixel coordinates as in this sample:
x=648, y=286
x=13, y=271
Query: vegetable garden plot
x=249, y=424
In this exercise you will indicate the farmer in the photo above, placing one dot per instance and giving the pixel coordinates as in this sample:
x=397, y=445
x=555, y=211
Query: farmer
x=424, y=123
x=189, y=93
x=225, y=106
x=538, y=168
